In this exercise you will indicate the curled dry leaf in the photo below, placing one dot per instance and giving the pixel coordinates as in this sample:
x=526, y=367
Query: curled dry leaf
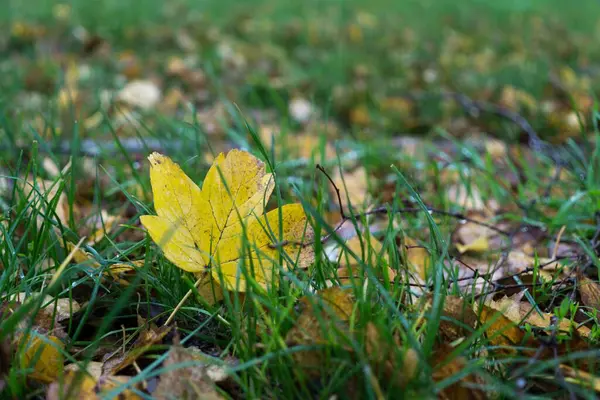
x=220, y=229
x=147, y=338
x=42, y=356
x=370, y=252
x=190, y=382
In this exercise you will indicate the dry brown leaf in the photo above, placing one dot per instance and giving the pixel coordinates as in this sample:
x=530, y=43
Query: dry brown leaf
x=523, y=312
x=191, y=382
x=463, y=319
x=45, y=359
x=589, y=291
x=147, y=338
x=370, y=252
x=322, y=316
x=580, y=377
x=445, y=368
x=92, y=368
x=64, y=308
x=381, y=353
x=87, y=387
x=500, y=331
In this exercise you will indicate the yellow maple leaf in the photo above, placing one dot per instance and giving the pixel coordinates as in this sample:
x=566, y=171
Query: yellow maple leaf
x=220, y=229
x=45, y=359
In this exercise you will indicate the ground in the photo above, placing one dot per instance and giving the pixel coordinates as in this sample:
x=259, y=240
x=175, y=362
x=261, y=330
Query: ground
x=408, y=194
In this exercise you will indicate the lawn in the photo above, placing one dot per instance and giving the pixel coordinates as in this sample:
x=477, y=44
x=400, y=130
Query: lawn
x=318, y=199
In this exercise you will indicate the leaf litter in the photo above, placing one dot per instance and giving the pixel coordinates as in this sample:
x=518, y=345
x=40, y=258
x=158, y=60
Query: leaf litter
x=514, y=276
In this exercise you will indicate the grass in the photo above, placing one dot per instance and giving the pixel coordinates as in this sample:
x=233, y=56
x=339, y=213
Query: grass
x=314, y=54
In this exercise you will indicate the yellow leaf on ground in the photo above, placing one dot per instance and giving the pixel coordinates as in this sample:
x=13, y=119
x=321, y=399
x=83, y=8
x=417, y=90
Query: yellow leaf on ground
x=500, y=330
x=87, y=387
x=417, y=258
x=44, y=358
x=220, y=229
x=480, y=245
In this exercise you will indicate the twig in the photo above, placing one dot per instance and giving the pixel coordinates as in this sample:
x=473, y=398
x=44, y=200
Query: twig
x=337, y=190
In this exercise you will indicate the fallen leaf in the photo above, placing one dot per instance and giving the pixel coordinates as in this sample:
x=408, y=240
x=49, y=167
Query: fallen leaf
x=140, y=93
x=82, y=386
x=115, y=271
x=470, y=198
x=480, y=245
x=302, y=145
x=190, y=382
x=580, y=377
x=301, y=110
x=370, y=251
x=589, y=291
x=44, y=358
x=354, y=187
x=417, y=258
x=61, y=309
x=104, y=223
x=48, y=197
x=520, y=312
x=459, y=318
x=381, y=352
x=205, y=231
x=500, y=330
x=323, y=315
x=444, y=369
x=147, y=338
